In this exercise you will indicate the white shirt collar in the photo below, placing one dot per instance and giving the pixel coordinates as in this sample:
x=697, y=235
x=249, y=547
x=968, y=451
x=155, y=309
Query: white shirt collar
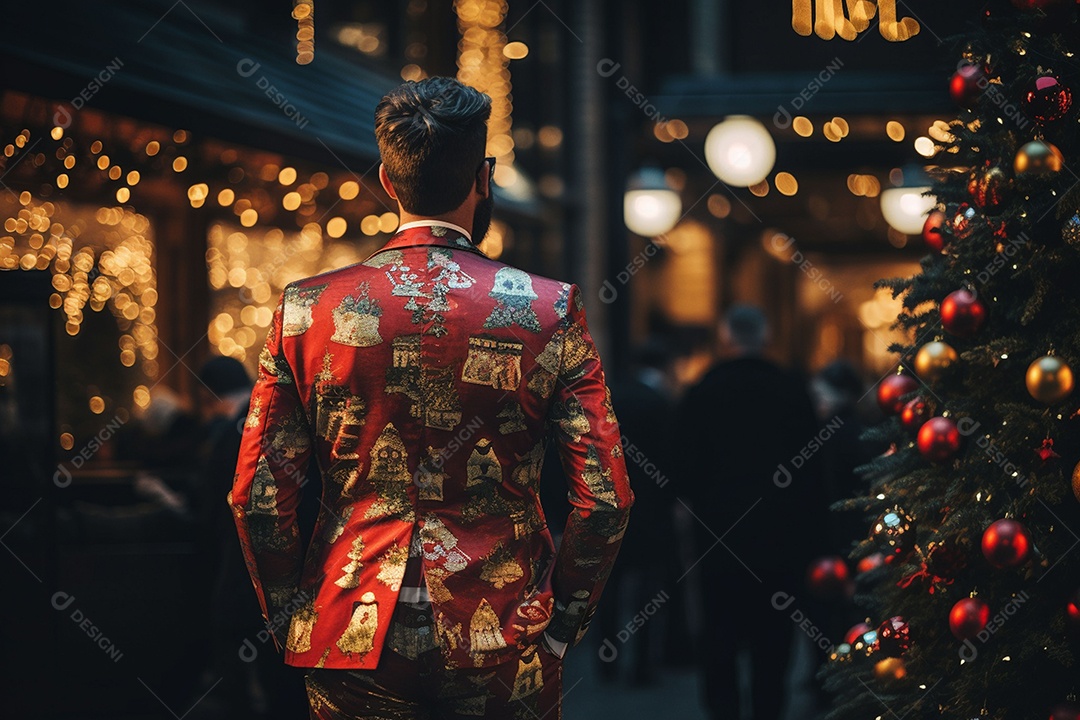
x=436, y=223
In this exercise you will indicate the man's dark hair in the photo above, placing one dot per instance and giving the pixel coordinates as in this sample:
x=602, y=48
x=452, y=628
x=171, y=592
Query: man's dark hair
x=432, y=136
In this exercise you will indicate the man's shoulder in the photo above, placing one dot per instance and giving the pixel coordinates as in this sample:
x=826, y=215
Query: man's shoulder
x=316, y=283
x=508, y=278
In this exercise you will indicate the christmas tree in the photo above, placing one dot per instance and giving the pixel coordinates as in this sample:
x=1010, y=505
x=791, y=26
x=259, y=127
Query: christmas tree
x=969, y=577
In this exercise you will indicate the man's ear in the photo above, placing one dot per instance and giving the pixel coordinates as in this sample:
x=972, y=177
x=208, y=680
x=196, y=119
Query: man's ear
x=384, y=180
x=483, y=180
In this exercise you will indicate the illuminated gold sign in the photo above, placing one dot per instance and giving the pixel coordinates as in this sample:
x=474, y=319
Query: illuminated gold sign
x=848, y=18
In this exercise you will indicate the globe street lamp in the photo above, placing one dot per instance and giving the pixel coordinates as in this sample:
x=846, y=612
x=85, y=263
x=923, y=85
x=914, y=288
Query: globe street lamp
x=740, y=151
x=650, y=207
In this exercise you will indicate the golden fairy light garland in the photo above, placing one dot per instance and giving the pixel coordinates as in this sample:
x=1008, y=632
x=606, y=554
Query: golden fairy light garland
x=304, y=14
x=483, y=65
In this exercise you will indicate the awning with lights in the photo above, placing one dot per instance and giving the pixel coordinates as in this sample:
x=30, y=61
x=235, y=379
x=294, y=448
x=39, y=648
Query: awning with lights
x=187, y=65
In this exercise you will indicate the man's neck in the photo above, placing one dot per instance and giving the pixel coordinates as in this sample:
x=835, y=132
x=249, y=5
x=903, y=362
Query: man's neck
x=461, y=219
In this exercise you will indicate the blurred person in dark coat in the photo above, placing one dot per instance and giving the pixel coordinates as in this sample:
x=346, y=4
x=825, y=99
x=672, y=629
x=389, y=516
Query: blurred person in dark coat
x=747, y=447
x=837, y=390
x=251, y=681
x=643, y=402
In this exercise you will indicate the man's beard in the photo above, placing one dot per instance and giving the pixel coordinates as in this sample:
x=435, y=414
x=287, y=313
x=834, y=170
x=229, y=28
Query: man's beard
x=481, y=222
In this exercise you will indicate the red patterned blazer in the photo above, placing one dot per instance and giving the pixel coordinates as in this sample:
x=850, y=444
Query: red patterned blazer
x=426, y=382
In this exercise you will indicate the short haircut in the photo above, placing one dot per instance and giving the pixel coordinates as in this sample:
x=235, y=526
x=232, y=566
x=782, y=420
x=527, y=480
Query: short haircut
x=748, y=327
x=432, y=136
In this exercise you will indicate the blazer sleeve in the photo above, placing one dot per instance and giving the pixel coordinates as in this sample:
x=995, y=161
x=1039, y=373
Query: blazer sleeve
x=271, y=470
x=586, y=434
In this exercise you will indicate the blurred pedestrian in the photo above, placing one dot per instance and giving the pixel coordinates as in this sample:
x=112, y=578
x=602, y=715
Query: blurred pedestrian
x=747, y=444
x=643, y=402
x=244, y=683
x=837, y=390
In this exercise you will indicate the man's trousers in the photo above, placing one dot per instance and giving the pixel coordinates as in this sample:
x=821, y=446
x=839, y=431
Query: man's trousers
x=412, y=682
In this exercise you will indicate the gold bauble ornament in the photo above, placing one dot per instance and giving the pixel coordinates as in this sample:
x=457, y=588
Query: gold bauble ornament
x=1038, y=157
x=1049, y=379
x=933, y=359
x=890, y=668
x=1076, y=482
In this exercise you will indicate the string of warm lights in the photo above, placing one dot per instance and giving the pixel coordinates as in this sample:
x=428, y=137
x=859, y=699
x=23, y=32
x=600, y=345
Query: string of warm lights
x=304, y=14
x=483, y=63
x=76, y=215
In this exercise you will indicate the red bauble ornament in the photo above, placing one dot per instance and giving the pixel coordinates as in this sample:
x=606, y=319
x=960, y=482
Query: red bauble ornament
x=914, y=413
x=893, y=637
x=1048, y=100
x=968, y=618
x=856, y=632
x=871, y=562
x=1065, y=711
x=1072, y=612
x=967, y=84
x=933, y=231
x=938, y=439
x=828, y=578
x=1006, y=543
x=891, y=392
x=961, y=223
x=988, y=188
x=962, y=313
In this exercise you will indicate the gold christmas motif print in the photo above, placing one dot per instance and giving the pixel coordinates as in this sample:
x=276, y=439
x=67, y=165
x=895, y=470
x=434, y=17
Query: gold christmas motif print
x=440, y=405
x=513, y=418
x=493, y=362
x=403, y=376
x=500, y=568
x=263, y=499
x=434, y=397
x=533, y=616
x=542, y=379
x=291, y=438
x=254, y=416
x=484, y=476
x=526, y=521
x=483, y=465
x=296, y=314
x=359, y=636
x=333, y=529
x=430, y=477
x=570, y=418
x=303, y=620
x=356, y=319
x=392, y=567
x=389, y=474
x=351, y=578
x=527, y=473
x=598, y=478
x=384, y=258
x=440, y=547
x=485, y=633
x=276, y=367
x=449, y=274
x=513, y=292
x=562, y=302
x=530, y=677
x=575, y=352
